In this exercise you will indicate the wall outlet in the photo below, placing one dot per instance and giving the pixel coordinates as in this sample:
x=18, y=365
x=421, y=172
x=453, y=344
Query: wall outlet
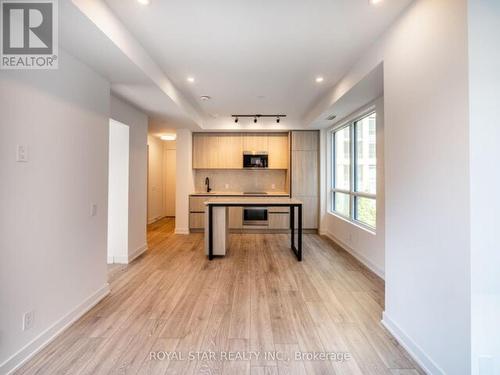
x=28, y=320
x=226, y=186
x=93, y=209
x=273, y=186
x=22, y=153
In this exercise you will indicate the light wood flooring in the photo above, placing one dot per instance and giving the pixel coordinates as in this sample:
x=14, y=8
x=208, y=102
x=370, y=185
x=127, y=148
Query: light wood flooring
x=256, y=299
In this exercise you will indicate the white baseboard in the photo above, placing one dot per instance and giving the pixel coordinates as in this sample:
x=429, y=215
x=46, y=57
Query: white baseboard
x=361, y=258
x=416, y=352
x=155, y=219
x=181, y=230
x=119, y=259
x=137, y=252
x=47, y=336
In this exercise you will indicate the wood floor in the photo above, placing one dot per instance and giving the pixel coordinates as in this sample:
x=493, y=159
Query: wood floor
x=258, y=299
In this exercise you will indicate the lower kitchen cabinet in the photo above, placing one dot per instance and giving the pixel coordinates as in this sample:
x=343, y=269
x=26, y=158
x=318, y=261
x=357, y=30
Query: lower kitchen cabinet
x=197, y=220
x=279, y=220
x=235, y=217
x=310, y=212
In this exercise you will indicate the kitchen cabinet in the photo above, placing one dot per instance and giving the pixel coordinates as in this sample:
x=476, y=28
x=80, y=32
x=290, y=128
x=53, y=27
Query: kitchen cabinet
x=205, y=151
x=279, y=220
x=230, y=150
x=310, y=212
x=235, y=217
x=225, y=150
x=197, y=220
x=197, y=204
x=305, y=175
x=278, y=151
x=255, y=142
x=305, y=140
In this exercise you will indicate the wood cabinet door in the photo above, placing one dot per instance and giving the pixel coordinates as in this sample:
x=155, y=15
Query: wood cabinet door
x=305, y=173
x=305, y=140
x=235, y=217
x=197, y=220
x=278, y=151
x=279, y=221
x=230, y=149
x=255, y=142
x=197, y=204
x=310, y=212
x=205, y=151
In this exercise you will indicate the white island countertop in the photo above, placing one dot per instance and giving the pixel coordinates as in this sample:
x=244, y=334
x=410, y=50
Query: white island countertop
x=252, y=201
x=240, y=194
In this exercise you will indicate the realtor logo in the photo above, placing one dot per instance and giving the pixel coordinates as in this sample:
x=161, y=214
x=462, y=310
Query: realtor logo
x=29, y=37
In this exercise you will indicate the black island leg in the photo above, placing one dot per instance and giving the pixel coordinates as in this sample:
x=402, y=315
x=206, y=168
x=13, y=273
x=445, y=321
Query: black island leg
x=210, y=233
x=299, y=255
x=296, y=250
x=292, y=227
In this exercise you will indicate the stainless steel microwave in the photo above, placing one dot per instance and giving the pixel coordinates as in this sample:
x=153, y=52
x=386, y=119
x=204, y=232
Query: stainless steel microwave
x=255, y=159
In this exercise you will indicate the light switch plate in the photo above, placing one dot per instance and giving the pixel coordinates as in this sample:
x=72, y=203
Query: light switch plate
x=22, y=153
x=28, y=320
x=93, y=209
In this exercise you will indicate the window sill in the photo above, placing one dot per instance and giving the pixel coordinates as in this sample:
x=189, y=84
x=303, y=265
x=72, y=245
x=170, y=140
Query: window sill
x=356, y=224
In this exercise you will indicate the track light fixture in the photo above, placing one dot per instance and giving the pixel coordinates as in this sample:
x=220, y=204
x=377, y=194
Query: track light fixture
x=257, y=117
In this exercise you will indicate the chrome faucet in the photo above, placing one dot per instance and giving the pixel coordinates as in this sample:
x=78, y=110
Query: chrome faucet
x=207, y=183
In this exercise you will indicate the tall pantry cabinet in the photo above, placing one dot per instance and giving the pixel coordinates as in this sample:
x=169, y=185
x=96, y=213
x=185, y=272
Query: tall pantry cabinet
x=305, y=175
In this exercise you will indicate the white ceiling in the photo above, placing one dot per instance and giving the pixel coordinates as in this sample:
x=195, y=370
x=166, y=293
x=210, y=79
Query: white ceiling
x=256, y=56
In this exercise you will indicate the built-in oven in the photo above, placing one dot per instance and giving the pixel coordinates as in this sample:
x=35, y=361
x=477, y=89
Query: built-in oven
x=255, y=159
x=255, y=216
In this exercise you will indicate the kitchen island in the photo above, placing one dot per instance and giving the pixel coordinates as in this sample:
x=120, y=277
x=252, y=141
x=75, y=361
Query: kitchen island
x=217, y=231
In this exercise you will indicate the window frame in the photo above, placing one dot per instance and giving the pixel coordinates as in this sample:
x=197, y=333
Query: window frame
x=352, y=192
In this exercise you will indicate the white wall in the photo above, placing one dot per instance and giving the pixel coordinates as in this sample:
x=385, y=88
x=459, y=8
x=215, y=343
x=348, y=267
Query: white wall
x=169, y=173
x=484, y=81
x=184, y=179
x=118, y=192
x=138, y=161
x=367, y=246
x=426, y=180
x=53, y=252
x=156, y=208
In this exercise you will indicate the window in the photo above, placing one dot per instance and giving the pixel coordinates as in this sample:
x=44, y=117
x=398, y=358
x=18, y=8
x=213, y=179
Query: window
x=354, y=162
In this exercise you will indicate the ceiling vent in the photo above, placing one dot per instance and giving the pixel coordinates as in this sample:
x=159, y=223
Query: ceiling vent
x=331, y=117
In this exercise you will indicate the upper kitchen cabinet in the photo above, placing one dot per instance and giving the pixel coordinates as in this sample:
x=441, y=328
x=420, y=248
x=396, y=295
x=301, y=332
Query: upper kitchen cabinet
x=305, y=141
x=205, y=151
x=279, y=153
x=230, y=151
x=225, y=150
x=255, y=142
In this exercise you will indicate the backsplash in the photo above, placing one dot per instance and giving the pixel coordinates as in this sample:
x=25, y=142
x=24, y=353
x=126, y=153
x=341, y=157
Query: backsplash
x=241, y=180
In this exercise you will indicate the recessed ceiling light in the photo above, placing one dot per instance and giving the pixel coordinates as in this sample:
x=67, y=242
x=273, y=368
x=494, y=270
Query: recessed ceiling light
x=205, y=97
x=168, y=137
x=319, y=79
x=375, y=2
x=190, y=79
x=144, y=2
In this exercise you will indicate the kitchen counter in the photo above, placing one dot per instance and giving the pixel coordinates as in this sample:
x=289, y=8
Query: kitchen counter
x=217, y=212
x=240, y=194
x=260, y=201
